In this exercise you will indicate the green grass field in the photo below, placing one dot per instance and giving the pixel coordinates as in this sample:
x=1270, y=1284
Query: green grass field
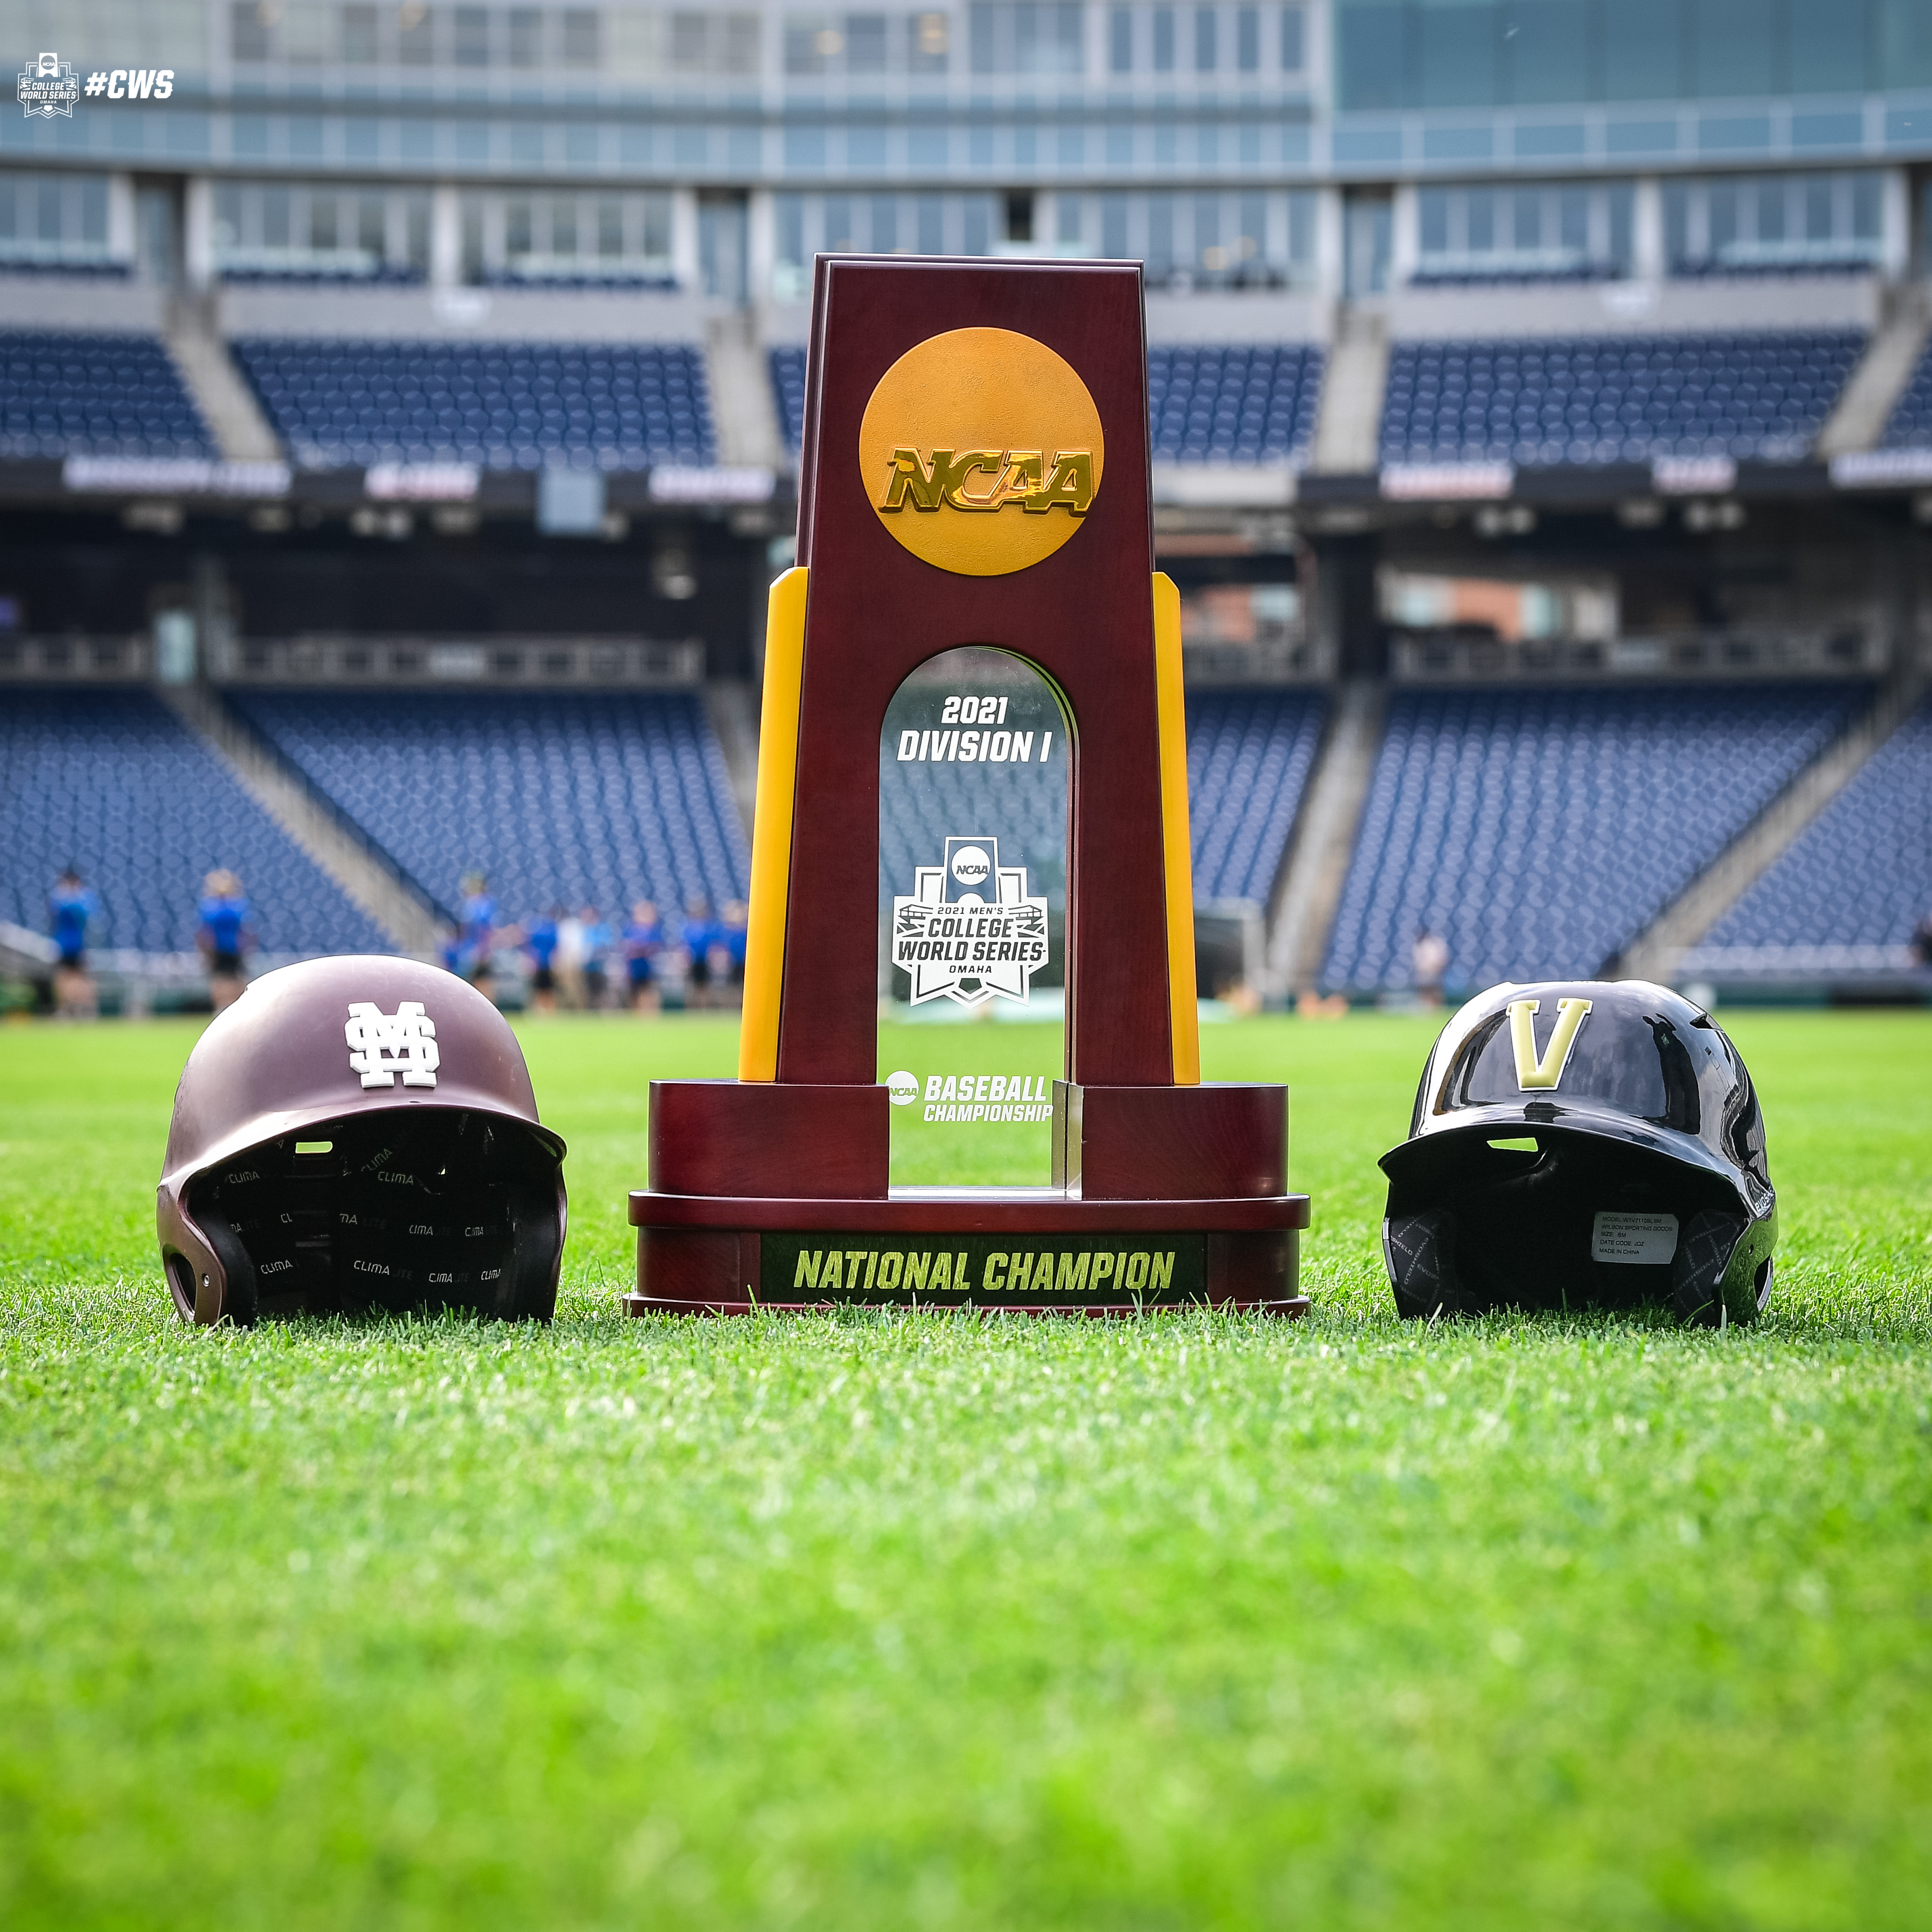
x=883, y=1621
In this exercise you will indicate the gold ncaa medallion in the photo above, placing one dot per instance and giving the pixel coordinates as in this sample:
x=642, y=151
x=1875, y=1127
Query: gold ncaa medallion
x=980, y=450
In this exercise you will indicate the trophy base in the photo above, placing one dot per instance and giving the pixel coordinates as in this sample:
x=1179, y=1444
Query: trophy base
x=774, y=1197
x=1036, y=1250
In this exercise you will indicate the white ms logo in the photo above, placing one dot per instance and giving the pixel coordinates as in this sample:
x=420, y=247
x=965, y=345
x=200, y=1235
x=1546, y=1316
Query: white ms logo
x=380, y=1048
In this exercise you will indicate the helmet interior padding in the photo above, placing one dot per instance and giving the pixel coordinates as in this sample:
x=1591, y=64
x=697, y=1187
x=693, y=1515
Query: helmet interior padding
x=422, y=1208
x=1574, y=1222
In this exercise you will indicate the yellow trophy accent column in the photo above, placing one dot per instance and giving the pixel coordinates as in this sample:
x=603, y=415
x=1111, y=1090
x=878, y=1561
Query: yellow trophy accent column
x=1183, y=1011
x=771, y=828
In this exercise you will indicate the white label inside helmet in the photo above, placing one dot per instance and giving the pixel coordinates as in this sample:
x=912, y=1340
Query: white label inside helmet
x=1641, y=1240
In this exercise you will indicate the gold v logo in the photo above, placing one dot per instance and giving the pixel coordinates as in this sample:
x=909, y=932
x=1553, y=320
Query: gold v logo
x=1547, y=1072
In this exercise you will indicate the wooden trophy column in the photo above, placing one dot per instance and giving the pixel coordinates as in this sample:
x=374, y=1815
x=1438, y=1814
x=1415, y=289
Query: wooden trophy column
x=975, y=472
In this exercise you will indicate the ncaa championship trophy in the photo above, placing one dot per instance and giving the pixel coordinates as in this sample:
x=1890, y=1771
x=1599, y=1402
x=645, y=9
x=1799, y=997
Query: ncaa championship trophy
x=974, y=491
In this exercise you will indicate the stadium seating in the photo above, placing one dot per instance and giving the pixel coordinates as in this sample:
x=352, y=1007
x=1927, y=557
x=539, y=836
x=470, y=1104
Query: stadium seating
x=1860, y=874
x=112, y=781
x=788, y=390
x=1539, y=831
x=500, y=405
x=1248, y=757
x=1910, y=425
x=94, y=395
x=1625, y=399
x=1226, y=404
x=601, y=799
x=1205, y=404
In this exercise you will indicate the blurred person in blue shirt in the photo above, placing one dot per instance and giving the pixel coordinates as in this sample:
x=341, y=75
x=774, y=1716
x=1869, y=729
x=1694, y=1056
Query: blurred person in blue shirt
x=642, y=938
x=596, y=958
x=540, y=942
x=737, y=920
x=479, y=930
x=699, y=935
x=71, y=905
x=223, y=935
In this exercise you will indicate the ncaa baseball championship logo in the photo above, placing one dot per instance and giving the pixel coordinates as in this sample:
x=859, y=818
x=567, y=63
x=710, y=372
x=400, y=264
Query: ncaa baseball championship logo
x=981, y=451
x=48, y=87
x=968, y=929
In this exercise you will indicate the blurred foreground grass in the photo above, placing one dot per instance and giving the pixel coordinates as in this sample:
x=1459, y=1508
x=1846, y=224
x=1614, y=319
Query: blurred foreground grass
x=878, y=1621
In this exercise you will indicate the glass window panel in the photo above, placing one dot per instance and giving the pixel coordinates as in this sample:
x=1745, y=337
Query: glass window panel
x=563, y=226
x=371, y=225
x=739, y=54
x=1722, y=217
x=980, y=839
x=1206, y=41
x=1482, y=220
x=274, y=218
x=1905, y=58
x=865, y=43
x=1248, y=39
x=1817, y=199
x=1251, y=244
x=810, y=40
x=978, y=238
x=1830, y=46
x=1113, y=227
x=1573, y=219
x=885, y=223
x=932, y=225
x=1771, y=195
x=1459, y=56
x=1643, y=57
x=657, y=226
x=1301, y=207
x=472, y=37
x=1375, y=56
x=1548, y=49
x=517, y=226
x=1527, y=218
x=1432, y=219
x=1676, y=224
x=248, y=24
x=1160, y=234
x=1622, y=200
x=1734, y=46
x=94, y=209
x=526, y=37
x=581, y=36
x=838, y=236
x=1067, y=224
x=360, y=47
x=931, y=33
x=415, y=34
x=1163, y=40
x=982, y=23
x=789, y=210
x=1866, y=207
x=322, y=221
x=1294, y=39
x=1120, y=40
x=47, y=214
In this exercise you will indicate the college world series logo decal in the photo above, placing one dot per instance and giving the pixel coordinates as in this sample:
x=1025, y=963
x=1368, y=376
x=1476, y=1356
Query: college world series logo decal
x=968, y=929
x=48, y=87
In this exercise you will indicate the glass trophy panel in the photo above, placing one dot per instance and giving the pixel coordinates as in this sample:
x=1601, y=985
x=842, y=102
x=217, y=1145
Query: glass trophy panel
x=972, y=828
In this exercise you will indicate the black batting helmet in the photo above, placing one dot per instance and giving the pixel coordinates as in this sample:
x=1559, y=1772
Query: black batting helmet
x=1579, y=1145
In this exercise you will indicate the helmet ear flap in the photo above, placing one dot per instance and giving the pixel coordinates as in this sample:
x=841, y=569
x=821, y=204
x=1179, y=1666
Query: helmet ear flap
x=242, y=1302
x=1419, y=1251
x=1698, y=1268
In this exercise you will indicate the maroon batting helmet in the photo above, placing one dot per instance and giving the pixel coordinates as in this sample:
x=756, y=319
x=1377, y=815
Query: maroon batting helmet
x=359, y=1133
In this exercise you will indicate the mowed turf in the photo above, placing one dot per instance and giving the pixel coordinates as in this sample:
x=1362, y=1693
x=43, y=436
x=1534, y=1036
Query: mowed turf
x=926, y=1622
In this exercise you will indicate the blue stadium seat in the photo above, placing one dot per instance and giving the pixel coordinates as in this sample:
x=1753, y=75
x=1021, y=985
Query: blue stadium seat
x=1539, y=832
x=1248, y=756
x=111, y=781
x=601, y=799
x=1861, y=873
x=1231, y=403
x=788, y=389
x=1223, y=404
x=1614, y=399
x=337, y=403
x=1910, y=427
x=64, y=394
